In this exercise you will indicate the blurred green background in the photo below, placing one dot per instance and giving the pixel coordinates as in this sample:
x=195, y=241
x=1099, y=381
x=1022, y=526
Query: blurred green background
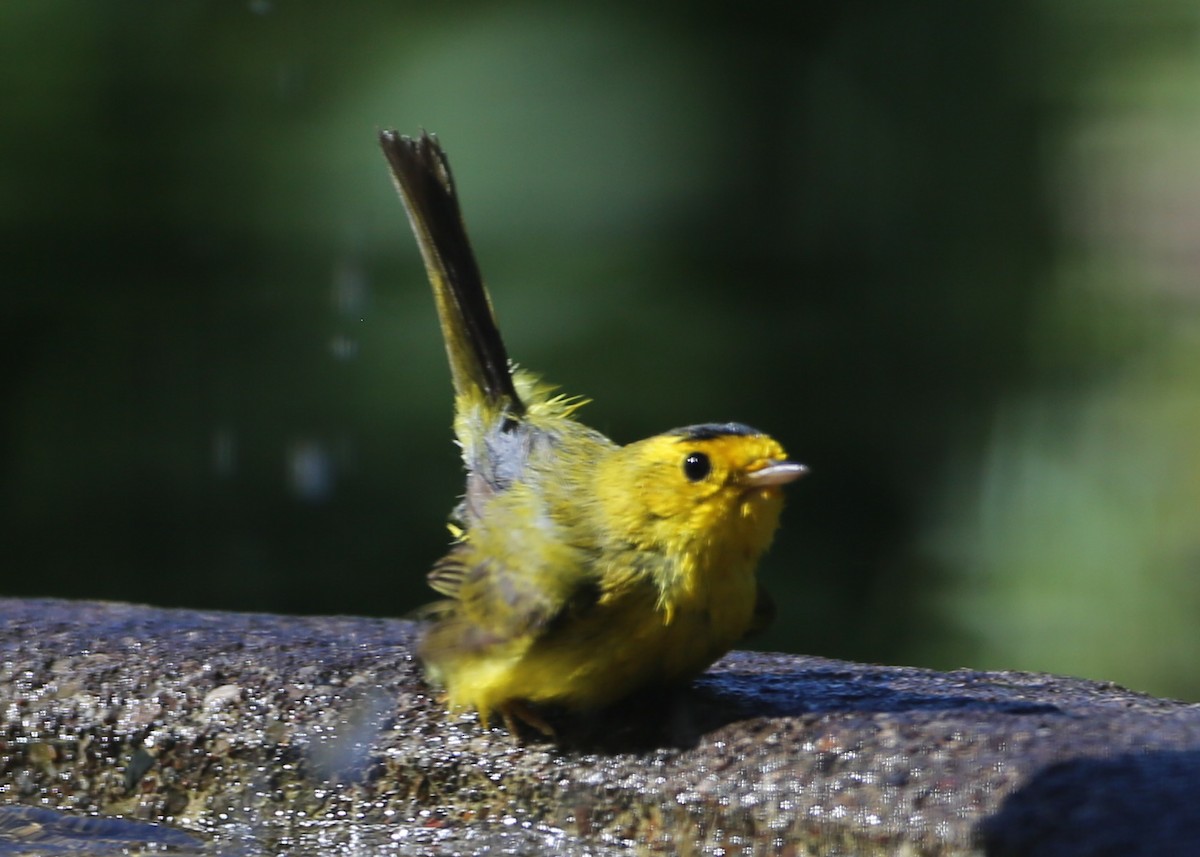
x=946, y=252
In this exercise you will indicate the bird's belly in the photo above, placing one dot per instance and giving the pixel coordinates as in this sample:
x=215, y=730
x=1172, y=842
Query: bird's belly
x=617, y=649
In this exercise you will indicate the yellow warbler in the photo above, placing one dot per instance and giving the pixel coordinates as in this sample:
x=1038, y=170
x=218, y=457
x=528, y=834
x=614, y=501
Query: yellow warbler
x=582, y=571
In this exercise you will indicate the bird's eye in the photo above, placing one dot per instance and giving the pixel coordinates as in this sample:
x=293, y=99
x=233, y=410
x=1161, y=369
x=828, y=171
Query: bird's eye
x=696, y=466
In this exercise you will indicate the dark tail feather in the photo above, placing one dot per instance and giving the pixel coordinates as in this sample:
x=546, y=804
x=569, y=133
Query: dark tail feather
x=478, y=359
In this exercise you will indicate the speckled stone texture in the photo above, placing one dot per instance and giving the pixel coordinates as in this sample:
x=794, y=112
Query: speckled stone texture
x=204, y=720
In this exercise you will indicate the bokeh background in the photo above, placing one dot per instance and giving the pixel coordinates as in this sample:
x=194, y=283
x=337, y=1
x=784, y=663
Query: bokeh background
x=947, y=252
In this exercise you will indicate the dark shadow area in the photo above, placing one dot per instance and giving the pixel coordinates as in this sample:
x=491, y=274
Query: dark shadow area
x=26, y=830
x=680, y=717
x=1126, y=805
x=820, y=691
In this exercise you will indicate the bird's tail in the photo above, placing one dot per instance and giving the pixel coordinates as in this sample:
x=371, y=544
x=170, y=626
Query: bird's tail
x=478, y=360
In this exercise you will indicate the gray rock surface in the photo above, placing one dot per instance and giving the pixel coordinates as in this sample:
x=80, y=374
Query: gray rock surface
x=207, y=721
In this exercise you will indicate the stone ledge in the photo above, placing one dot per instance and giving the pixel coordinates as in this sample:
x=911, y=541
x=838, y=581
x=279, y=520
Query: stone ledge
x=202, y=719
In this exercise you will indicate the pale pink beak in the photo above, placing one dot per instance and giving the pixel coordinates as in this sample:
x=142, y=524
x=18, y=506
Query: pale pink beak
x=775, y=473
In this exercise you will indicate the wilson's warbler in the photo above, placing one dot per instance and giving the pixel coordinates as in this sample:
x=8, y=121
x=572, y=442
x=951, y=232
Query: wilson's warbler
x=582, y=570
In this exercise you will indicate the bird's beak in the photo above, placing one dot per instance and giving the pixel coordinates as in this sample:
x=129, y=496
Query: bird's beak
x=774, y=473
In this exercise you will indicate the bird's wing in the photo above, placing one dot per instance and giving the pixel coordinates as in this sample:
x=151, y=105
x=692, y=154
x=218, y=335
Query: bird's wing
x=510, y=578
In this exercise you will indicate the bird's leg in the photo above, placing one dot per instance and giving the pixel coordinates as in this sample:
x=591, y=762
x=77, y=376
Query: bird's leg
x=515, y=710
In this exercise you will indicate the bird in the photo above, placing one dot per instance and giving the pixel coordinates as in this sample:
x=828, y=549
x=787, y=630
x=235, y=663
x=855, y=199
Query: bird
x=581, y=571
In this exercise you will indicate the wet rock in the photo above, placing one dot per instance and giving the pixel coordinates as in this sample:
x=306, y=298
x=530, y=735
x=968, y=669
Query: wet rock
x=276, y=724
